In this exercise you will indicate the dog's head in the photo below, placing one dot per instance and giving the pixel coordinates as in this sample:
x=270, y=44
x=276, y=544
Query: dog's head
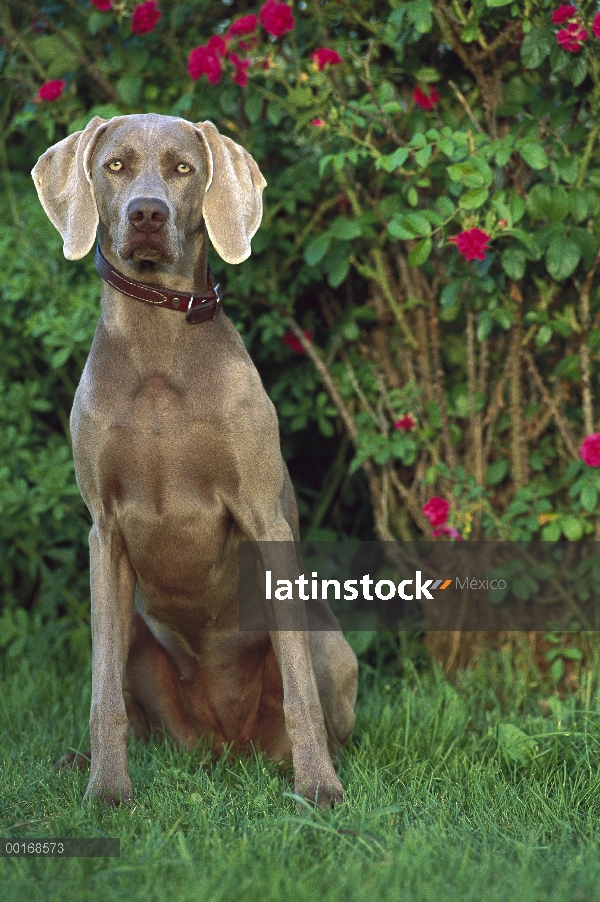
x=150, y=181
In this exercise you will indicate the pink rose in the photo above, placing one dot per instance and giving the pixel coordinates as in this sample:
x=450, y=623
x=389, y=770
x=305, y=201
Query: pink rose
x=145, y=17
x=589, y=450
x=472, y=243
x=426, y=101
x=50, y=90
x=240, y=75
x=563, y=13
x=293, y=343
x=276, y=18
x=206, y=60
x=245, y=25
x=436, y=510
x=325, y=57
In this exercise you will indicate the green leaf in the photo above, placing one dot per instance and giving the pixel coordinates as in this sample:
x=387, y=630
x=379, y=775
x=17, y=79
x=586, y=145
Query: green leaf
x=426, y=74
x=450, y=293
x=411, y=225
x=445, y=206
x=562, y=258
x=572, y=527
x=494, y=3
x=551, y=532
x=534, y=156
x=467, y=174
x=536, y=47
x=129, y=88
x=513, y=262
x=274, y=114
x=568, y=168
x=345, y=228
x=58, y=59
x=316, y=248
x=484, y=326
x=496, y=472
x=338, y=272
x=420, y=252
x=578, y=69
x=544, y=202
x=543, y=336
x=393, y=161
x=419, y=12
x=515, y=744
x=418, y=223
x=589, y=498
x=422, y=156
x=473, y=198
x=253, y=105
x=578, y=202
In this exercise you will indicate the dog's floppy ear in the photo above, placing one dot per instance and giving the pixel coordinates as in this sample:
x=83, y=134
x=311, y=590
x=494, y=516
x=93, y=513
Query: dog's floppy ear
x=63, y=180
x=233, y=200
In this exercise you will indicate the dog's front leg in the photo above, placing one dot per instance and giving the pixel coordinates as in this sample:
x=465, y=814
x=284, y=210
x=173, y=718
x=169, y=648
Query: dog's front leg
x=113, y=591
x=314, y=773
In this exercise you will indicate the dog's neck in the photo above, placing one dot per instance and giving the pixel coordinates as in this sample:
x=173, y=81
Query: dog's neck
x=188, y=273
x=156, y=338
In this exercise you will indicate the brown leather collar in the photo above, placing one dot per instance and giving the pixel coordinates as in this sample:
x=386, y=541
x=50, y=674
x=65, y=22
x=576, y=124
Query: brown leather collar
x=197, y=307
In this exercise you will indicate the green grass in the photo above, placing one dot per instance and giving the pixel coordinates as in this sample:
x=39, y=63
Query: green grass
x=453, y=792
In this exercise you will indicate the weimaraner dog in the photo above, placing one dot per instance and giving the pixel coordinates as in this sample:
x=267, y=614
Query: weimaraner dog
x=177, y=456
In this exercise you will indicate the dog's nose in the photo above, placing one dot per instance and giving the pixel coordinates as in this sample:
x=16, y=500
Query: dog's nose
x=147, y=214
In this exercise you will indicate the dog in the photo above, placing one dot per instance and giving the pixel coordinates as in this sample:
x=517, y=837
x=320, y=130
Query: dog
x=177, y=457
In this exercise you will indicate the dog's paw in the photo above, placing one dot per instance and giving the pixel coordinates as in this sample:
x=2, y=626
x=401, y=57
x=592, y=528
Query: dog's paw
x=80, y=760
x=110, y=795
x=326, y=794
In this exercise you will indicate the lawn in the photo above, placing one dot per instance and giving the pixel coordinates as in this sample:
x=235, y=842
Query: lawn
x=483, y=789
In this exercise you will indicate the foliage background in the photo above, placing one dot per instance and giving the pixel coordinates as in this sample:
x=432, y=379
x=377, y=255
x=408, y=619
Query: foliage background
x=496, y=361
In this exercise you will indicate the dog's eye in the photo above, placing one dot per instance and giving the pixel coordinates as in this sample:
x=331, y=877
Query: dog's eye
x=183, y=168
x=115, y=165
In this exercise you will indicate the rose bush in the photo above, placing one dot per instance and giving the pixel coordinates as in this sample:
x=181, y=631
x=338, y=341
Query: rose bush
x=430, y=240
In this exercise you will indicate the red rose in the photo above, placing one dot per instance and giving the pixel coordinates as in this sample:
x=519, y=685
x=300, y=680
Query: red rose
x=145, y=17
x=472, y=243
x=102, y=5
x=596, y=26
x=293, y=343
x=206, y=60
x=245, y=25
x=426, y=101
x=50, y=90
x=572, y=37
x=240, y=76
x=317, y=122
x=276, y=18
x=436, y=510
x=589, y=450
x=406, y=423
x=325, y=57
x=563, y=13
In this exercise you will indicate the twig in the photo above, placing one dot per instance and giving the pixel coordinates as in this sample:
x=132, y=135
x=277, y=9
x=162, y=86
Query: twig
x=373, y=480
x=584, y=355
x=89, y=67
x=468, y=109
x=561, y=422
x=438, y=384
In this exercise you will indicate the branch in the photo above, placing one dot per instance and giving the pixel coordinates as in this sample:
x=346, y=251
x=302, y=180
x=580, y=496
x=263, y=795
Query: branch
x=561, y=422
x=89, y=67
